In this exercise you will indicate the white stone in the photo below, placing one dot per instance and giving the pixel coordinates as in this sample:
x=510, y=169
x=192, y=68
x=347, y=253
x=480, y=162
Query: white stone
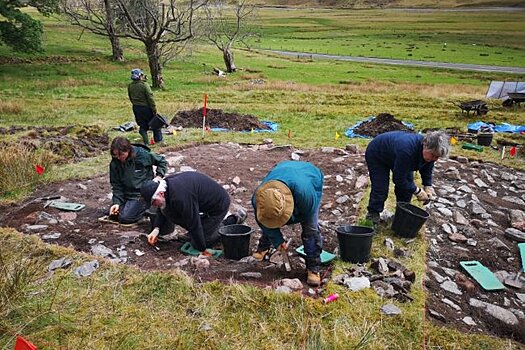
x=451, y=287
x=469, y=321
x=451, y=304
x=495, y=311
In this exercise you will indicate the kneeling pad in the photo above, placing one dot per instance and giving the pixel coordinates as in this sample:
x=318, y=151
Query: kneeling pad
x=188, y=249
x=326, y=257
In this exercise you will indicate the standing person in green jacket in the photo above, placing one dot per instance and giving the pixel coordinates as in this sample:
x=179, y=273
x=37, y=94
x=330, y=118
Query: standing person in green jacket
x=130, y=167
x=144, y=107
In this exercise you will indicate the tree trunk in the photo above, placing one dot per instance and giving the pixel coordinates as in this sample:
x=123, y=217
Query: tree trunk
x=155, y=67
x=117, y=52
x=227, y=55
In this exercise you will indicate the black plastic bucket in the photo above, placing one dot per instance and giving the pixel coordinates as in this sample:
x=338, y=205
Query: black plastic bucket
x=157, y=122
x=408, y=220
x=355, y=243
x=235, y=241
x=485, y=139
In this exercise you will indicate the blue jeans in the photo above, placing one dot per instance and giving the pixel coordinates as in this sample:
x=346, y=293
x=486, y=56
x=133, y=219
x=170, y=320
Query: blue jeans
x=311, y=237
x=132, y=211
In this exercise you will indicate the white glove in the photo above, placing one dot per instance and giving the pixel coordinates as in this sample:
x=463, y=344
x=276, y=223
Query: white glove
x=421, y=195
x=430, y=192
x=114, y=210
x=153, y=236
x=157, y=179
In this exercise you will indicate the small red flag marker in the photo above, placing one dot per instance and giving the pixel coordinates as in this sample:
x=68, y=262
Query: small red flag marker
x=39, y=169
x=22, y=344
x=512, y=151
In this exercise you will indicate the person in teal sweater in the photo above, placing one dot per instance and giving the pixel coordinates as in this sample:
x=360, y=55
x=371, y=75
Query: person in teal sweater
x=144, y=107
x=130, y=167
x=289, y=194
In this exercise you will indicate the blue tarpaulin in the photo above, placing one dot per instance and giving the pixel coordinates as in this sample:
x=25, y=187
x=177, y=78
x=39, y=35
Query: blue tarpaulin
x=350, y=131
x=503, y=127
x=273, y=127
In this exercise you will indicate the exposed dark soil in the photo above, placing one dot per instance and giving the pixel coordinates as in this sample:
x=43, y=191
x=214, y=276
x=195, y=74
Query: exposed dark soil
x=222, y=162
x=250, y=163
x=384, y=122
x=447, y=254
x=217, y=118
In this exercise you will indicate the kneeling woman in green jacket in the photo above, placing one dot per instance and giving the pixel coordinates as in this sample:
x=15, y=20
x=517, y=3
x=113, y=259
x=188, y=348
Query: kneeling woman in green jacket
x=130, y=167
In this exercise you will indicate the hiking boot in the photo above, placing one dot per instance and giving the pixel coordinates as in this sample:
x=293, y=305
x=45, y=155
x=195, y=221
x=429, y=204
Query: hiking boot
x=313, y=279
x=260, y=255
x=240, y=215
x=373, y=217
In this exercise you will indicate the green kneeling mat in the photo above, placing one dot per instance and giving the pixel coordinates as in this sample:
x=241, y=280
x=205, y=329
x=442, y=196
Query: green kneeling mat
x=187, y=248
x=482, y=275
x=66, y=206
x=326, y=257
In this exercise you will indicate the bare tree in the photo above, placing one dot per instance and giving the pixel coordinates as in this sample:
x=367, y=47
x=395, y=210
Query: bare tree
x=226, y=25
x=164, y=27
x=99, y=17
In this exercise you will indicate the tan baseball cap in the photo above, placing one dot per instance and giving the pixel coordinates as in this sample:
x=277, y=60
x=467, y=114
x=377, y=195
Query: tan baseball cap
x=274, y=203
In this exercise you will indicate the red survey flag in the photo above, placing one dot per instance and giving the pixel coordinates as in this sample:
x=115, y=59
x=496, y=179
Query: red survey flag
x=512, y=151
x=22, y=344
x=39, y=169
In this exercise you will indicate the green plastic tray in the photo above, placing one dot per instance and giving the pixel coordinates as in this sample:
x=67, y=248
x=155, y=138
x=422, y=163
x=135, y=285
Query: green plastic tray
x=187, y=248
x=66, y=206
x=482, y=275
x=326, y=257
x=521, y=247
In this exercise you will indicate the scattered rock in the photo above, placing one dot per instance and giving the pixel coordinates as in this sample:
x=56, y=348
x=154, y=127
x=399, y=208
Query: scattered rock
x=292, y=284
x=86, y=269
x=61, y=263
x=515, y=234
x=390, y=309
x=495, y=311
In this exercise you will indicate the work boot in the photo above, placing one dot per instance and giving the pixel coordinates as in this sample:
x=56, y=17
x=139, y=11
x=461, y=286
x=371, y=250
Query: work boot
x=373, y=217
x=313, y=279
x=260, y=255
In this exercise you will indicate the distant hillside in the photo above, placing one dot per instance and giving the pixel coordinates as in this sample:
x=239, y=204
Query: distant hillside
x=362, y=4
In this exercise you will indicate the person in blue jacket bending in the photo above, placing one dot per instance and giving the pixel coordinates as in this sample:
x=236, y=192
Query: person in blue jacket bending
x=289, y=194
x=402, y=153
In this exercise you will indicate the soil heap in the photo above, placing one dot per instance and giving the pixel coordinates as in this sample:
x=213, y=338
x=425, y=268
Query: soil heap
x=384, y=122
x=217, y=118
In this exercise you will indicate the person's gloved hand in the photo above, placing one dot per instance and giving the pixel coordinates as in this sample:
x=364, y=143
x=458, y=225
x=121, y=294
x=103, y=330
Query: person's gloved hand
x=429, y=190
x=153, y=236
x=114, y=210
x=157, y=179
x=421, y=195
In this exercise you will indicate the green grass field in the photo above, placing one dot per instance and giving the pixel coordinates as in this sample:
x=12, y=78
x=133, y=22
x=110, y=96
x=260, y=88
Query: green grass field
x=74, y=82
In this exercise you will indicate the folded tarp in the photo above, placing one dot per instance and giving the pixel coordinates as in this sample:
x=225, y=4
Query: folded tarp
x=273, y=128
x=350, y=132
x=503, y=127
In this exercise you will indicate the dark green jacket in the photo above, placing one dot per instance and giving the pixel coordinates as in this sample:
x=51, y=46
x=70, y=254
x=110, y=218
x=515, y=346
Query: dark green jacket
x=126, y=178
x=140, y=94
